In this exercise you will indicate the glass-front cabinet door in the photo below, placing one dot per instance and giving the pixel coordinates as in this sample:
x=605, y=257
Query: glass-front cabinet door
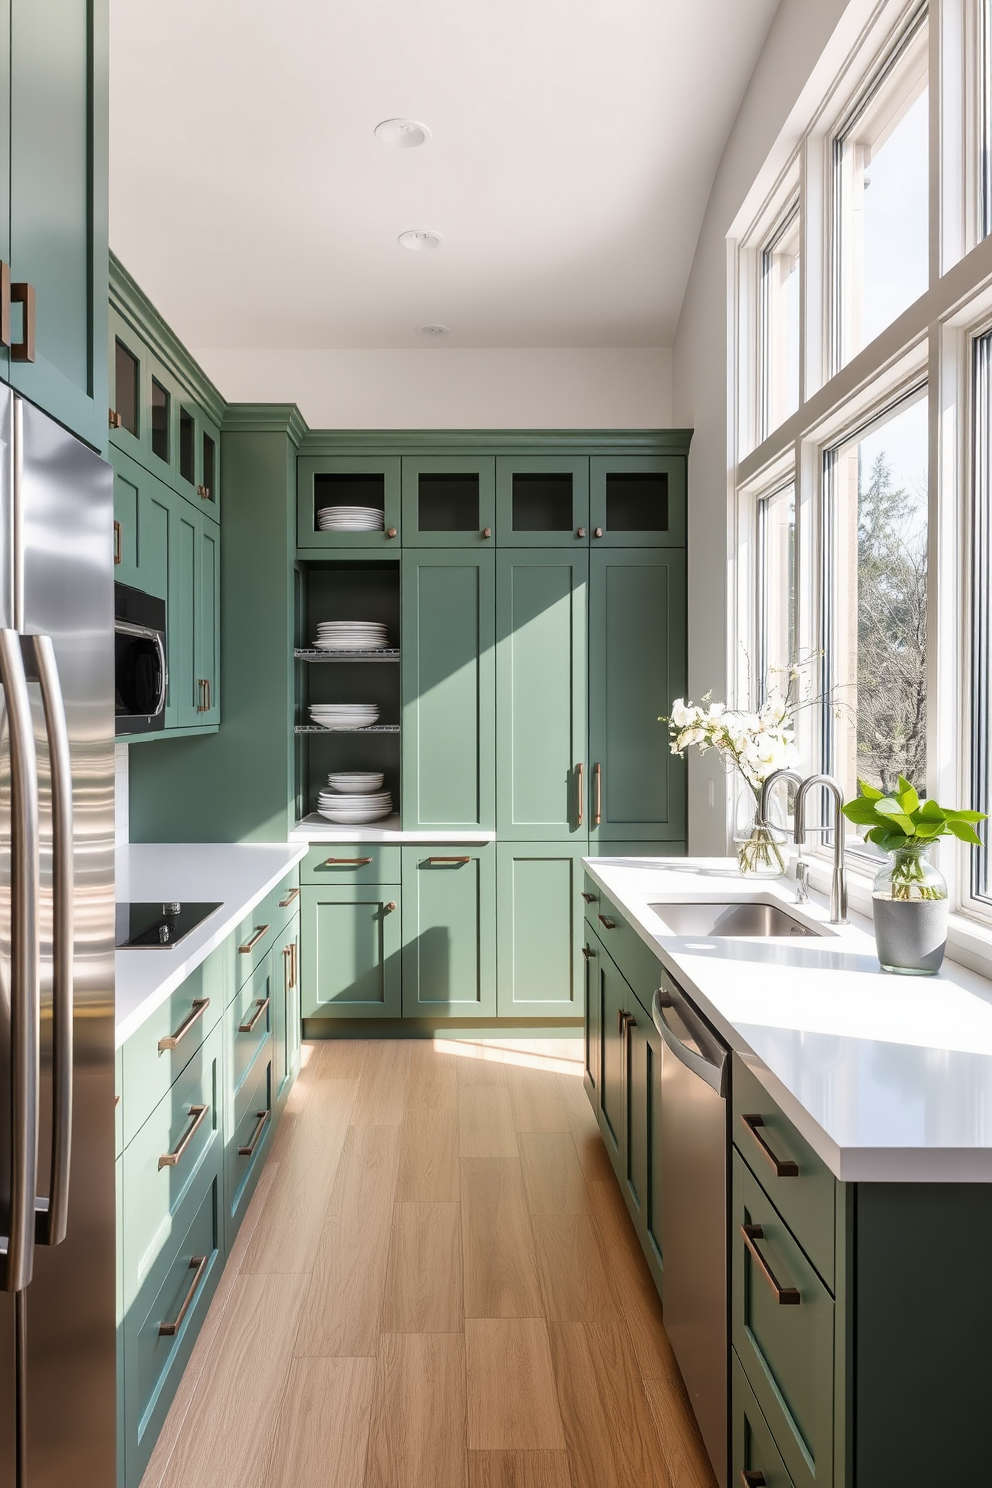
x=542, y=501
x=449, y=501
x=348, y=501
x=637, y=501
x=127, y=389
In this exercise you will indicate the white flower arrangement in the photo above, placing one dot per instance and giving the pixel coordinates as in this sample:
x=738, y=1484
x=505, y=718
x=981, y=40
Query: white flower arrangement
x=755, y=743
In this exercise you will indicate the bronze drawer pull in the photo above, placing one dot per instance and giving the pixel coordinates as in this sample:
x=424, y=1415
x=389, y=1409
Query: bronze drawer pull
x=346, y=862
x=784, y=1296
x=589, y=898
x=750, y=1478
x=198, y=1266
x=597, y=810
x=200, y=1005
x=589, y=955
x=260, y=1005
x=290, y=898
x=250, y=945
x=171, y=1159
x=256, y=1135
x=784, y=1166
x=580, y=792
x=118, y=544
x=607, y=923
x=24, y=350
x=449, y=860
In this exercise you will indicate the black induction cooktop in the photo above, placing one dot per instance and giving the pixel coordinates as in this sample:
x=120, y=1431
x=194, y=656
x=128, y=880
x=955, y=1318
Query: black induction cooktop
x=157, y=927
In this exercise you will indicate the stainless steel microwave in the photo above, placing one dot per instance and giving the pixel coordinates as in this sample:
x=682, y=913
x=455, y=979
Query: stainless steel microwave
x=141, y=676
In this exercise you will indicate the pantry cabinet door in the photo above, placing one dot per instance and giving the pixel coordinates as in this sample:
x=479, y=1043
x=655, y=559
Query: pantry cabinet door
x=449, y=690
x=539, y=930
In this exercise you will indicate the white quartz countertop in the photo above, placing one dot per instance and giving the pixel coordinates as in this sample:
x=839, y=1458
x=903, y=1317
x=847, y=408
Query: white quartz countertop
x=238, y=875
x=889, y=1078
x=316, y=828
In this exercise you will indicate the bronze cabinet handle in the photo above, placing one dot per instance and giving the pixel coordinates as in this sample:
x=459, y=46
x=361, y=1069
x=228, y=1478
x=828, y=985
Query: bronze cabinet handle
x=24, y=350
x=390, y=531
x=200, y=1005
x=589, y=898
x=388, y=908
x=346, y=862
x=296, y=964
x=289, y=966
x=118, y=543
x=261, y=1003
x=580, y=791
x=589, y=955
x=4, y=304
x=752, y=1479
x=198, y=1114
x=116, y=419
x=250, y=945
x=784, y=1166
x=607, y=923
x=580, y=532
x=597, y=532
x=198, y=1265
x=261, y=1119
x=487, y=532
x=597, y=781
x=290, y=898
x=201, y=706
x=203, y=492
x=449, y=860
x=784, y=1296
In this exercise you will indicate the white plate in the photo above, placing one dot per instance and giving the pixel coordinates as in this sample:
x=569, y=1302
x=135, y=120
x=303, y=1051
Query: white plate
x=355, y=821
x=355, y=785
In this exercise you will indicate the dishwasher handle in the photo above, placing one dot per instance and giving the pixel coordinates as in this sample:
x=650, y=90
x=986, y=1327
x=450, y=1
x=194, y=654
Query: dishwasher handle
x=711, y=1064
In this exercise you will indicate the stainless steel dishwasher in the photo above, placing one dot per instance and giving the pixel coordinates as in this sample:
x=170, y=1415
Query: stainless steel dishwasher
x=694, y=1137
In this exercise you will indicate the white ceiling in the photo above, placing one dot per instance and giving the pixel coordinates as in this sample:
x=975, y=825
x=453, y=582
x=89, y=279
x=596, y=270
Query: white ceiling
x=574, y=146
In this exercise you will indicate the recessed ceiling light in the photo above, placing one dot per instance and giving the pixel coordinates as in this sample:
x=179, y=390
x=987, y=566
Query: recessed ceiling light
x=420, y=242
x=402, y=134
x=433, y=332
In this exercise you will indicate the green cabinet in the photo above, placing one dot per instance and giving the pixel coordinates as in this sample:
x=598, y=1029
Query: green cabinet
x=542, y=501
x=541, y=667
x=249, y=1113
x=143, y=528
x=449, y=693
x=637, y=501
x=449, y=932
x=637, y=660
x=350, y=950
x=55, y=170
x=449, y=501
x=287, y=1027
x=538, y=930
x=206, y=621
x=356, y=481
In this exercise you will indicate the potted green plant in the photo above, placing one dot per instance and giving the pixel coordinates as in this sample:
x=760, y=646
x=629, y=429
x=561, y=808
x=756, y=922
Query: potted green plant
x=909, y=895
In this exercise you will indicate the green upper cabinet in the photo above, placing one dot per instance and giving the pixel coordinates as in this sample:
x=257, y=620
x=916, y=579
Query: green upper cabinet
x=637, y=660
x=449, y=692
x=449, y=932
x=539, y=930
x=360, y=481
x=541, y=694
x=184, y=694
x=637, y=501
x=206, y=620
x=57, y=160
x=449, y=501
x=142, y=528
x=542, y=501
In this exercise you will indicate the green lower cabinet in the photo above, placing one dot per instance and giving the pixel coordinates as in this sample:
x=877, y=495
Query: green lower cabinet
x=538, y=930
x=286, y=1024
x=248, y=1125
x=449, y=932
x=350, y=951
x=755, y=1460
x=612, y=998
x=591, y=951
x=642, y=1160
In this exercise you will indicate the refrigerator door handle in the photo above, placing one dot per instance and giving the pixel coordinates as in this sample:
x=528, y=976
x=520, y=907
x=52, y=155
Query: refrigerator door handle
x=41, y=666
x=25, y=957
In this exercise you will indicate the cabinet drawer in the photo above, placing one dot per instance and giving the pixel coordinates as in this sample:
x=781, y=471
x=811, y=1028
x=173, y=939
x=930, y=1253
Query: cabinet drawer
x=160, y=1049
x=162, y=1323
x=753, y=1449
x=251, y=1128
x=163, y=1160
x=798, y=1182
x=351, y=863
x=259, y=930
x=249, y=1023
x=782, y=1326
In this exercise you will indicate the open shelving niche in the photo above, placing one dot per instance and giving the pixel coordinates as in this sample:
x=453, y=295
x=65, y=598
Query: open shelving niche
x=345, y=589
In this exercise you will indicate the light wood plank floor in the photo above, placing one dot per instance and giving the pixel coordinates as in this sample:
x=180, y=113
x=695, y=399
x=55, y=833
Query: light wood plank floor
x=437, y=1285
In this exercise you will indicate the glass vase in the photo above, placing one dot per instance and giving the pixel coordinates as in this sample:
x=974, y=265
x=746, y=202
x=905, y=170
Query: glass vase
x=909, y=909
x=760, y=846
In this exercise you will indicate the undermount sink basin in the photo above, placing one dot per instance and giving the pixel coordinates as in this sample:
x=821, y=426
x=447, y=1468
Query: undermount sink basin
x=742, y=918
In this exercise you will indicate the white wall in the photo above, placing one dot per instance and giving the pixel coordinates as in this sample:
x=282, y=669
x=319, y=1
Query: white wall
x=449, y=388
x=803, y=47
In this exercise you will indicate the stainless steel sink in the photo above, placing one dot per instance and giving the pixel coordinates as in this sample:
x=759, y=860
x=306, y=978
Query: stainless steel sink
x=743, y=918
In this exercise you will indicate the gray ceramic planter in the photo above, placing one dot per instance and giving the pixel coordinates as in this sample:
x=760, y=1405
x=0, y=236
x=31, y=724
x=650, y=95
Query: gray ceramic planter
x=910, y=934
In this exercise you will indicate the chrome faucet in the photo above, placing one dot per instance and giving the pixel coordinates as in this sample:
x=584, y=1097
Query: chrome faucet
x=767, y=785
x=838, y=883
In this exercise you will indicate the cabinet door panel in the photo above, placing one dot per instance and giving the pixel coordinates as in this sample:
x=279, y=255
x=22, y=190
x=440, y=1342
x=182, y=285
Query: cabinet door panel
x=207, y=621
x=286, y=1029
x=324, y=481
x=449, y=623
x=449, y=932
x=449, y=501
x=183, y=693
x=637, y=501
x=636, y=668
x=539, y=930
x=614, y=998
x=593, y=1015
x=542, y=501
x=350, y=952
x=642, y=1151
x=541, y=694
x=127, y=509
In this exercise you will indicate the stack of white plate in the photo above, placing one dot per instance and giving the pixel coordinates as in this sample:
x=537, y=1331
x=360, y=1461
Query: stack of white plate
x=351, y=635
x=355, y=782
x=349, y=519
x=354, y=810
x=344, y=715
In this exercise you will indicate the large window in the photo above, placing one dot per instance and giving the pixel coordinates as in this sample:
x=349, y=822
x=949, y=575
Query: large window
x=981, y=608
x=776, y=547
x=876, y=596
x=780, y=321
x=985, y=134
x=881, y=156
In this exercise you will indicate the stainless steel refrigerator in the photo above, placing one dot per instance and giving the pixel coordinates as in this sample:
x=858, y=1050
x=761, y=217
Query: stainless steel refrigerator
x=57, y=1191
